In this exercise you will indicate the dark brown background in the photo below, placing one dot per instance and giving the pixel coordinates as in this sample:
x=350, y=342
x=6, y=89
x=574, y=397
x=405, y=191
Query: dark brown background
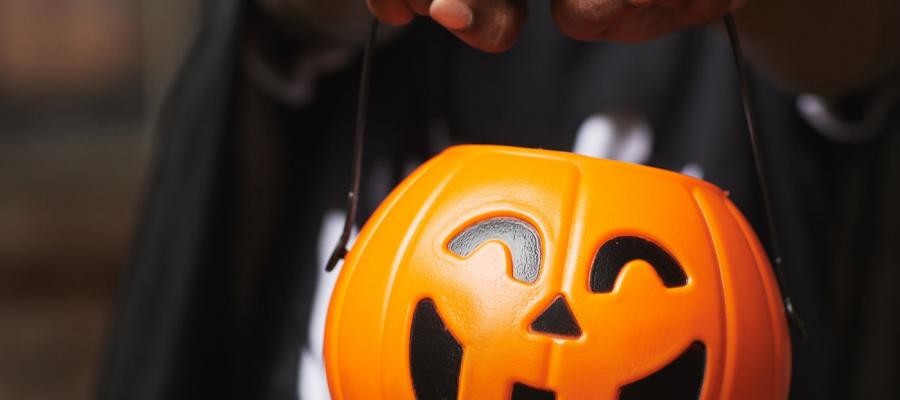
x=80, y=83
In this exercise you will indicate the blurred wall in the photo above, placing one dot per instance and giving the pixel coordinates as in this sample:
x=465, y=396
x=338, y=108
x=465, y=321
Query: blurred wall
x=80, y=84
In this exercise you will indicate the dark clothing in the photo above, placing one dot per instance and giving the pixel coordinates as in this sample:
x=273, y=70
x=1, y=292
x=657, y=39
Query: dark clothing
x=215, y=300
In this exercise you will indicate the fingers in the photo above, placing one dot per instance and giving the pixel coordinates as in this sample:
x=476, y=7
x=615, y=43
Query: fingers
x=592, y=19
x=489, y=25
x=419, y=6
x=633, y=20
x=494, y=25
x=393, y=12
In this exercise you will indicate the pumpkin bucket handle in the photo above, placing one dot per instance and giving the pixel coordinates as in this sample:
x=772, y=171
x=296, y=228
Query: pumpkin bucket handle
x=340, y=249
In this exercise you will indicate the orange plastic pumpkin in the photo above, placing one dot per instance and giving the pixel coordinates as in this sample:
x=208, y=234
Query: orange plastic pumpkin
x=505, y=273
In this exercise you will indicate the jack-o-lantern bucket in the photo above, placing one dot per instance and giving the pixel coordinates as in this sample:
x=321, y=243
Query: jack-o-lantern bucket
x=504, y=273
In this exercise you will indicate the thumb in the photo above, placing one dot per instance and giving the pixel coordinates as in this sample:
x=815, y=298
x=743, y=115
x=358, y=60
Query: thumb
x=489, y=25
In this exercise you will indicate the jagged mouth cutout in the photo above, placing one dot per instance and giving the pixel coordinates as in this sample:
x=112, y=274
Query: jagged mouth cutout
x=435, y=355
x=435, y=358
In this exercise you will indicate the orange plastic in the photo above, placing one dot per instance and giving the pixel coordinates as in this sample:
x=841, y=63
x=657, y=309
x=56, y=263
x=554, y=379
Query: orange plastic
x=730, y=303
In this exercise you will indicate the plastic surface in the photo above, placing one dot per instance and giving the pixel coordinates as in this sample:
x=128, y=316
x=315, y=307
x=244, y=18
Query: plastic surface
x=729, y=305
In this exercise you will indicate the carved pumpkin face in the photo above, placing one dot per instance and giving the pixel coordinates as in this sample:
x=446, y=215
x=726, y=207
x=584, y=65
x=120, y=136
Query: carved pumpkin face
x=504, y=273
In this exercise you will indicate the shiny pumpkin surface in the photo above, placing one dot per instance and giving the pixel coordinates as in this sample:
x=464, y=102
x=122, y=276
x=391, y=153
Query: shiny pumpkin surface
x=492, y=238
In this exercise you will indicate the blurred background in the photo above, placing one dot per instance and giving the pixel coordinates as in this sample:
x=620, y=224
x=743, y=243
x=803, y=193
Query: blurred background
x=80, y=85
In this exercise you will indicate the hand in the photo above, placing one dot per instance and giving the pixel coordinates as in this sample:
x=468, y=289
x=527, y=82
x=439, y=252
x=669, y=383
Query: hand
x=493, y=25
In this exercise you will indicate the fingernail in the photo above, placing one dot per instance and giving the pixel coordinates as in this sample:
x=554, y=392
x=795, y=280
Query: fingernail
x=452, y=14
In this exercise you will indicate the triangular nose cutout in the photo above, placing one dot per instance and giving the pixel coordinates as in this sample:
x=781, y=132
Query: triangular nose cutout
x=558, y=320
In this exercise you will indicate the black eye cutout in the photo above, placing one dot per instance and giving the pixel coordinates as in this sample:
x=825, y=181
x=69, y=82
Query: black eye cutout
x=435, y=356
x=519, y=236
x=621, y=250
